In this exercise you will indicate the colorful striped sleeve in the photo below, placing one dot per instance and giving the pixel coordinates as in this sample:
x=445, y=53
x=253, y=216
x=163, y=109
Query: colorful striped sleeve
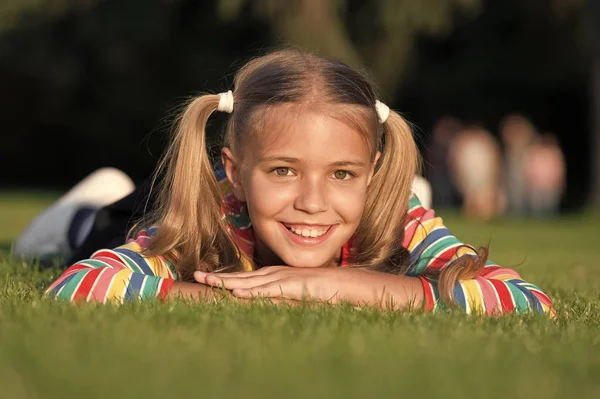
x=118, y=275
x=495, y=290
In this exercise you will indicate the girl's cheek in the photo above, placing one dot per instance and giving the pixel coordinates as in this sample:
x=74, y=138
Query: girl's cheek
x=351, y=196
x=351, y=204
x=269, y=198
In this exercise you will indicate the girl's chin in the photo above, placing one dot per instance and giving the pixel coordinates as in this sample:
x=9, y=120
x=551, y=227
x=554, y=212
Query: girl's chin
x=309, y=267
x=284, y=249
x=311, y=263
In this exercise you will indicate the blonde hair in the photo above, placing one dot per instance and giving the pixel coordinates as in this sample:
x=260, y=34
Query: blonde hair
x=193, y=233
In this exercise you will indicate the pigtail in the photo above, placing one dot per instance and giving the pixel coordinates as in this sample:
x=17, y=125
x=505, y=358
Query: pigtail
x=386, y=208
x=192, y=233
x=463, y=268
x=388, y=194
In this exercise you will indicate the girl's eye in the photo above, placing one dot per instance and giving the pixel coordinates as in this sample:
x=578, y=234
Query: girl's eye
x=342, y=175
x=282, y=171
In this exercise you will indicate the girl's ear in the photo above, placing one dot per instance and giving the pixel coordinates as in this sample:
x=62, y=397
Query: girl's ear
x=232, y=170
x=372, y=172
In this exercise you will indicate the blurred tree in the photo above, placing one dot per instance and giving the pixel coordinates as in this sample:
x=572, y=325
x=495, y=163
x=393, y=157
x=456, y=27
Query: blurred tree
x=594, y=8
x=13, y=13
x=376, y=34
x=84, y=82
x=85, y=86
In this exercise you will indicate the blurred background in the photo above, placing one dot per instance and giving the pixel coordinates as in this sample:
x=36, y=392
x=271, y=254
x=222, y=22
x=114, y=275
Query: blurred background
x=91, y=83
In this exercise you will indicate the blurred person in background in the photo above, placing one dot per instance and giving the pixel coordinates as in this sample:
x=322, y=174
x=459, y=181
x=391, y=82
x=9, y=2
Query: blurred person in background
x=545, y=176
x=517, y=134
x=437, y=161
x=476, y=166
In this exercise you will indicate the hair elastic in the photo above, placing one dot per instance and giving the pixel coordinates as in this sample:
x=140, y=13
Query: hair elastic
x=225, y=102
x=226, y=105
x=383, y=111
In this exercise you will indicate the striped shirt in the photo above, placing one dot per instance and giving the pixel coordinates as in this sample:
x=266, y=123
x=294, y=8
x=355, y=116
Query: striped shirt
x=125, y=274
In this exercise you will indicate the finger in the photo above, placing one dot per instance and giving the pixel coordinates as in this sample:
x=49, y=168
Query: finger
x=238, y=282
x=201, y=276
x=263, y=271
x=273, y=289
x=287, y=288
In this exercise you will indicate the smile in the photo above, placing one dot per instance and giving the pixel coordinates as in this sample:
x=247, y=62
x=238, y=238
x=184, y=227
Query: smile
x=308, y=232
x=304, y=234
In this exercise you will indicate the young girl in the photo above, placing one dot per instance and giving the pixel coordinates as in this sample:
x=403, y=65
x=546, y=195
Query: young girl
x=314, y=203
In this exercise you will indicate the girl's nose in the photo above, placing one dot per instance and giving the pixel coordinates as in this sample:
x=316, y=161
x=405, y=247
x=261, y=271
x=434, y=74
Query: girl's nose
x=311, y=197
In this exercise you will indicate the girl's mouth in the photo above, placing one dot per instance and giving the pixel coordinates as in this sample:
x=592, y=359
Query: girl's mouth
x=307, y=235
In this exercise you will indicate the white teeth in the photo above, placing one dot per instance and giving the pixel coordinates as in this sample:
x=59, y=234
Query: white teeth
x=307, y=232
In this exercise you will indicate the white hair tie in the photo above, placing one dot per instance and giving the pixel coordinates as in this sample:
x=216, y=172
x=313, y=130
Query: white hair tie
x=226, y=105
x=225, y=102
x=383, y=111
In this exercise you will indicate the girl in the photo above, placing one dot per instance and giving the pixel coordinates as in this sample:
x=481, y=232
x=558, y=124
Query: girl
x=314, y=203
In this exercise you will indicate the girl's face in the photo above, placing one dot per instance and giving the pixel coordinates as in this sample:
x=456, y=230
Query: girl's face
x=305, y=186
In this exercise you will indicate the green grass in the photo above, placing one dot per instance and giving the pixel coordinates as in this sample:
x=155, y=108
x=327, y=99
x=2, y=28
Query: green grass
x=57, y=350
x=17, y=210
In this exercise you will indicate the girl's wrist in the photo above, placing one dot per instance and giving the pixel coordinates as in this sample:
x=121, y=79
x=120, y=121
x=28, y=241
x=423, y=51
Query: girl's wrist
x=196, y=292
x=384, y=290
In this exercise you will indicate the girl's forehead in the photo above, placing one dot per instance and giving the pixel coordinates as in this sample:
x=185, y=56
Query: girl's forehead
x=307, y=132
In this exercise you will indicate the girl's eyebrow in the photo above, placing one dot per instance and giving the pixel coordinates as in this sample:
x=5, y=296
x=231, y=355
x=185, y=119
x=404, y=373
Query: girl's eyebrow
x=348, y=163
x=278, y=159
x=292, y=160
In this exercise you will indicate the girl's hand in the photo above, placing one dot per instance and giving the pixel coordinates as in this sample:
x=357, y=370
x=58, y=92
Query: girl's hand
x=332, y=285
x=282, y=282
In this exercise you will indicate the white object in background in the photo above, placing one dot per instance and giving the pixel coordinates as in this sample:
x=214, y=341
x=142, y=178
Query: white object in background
x=422, y=189
x=46, y=235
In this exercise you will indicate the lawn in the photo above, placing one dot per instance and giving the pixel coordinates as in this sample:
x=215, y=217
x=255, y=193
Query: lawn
x=57, y=350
